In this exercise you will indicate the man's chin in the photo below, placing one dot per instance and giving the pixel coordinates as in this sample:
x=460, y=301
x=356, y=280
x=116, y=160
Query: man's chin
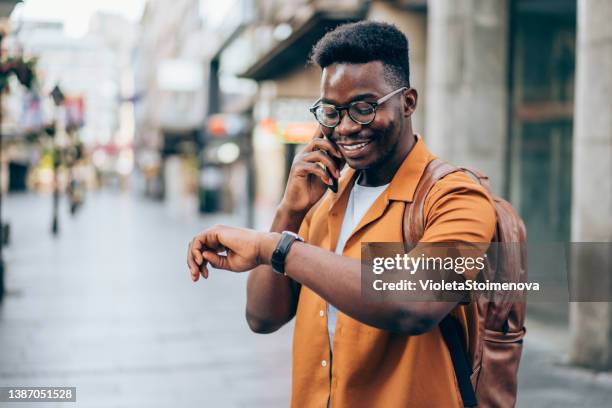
x=356, y=165
x=363, y=163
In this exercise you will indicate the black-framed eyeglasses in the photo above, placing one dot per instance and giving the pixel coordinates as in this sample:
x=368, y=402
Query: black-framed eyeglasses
x=362, y=112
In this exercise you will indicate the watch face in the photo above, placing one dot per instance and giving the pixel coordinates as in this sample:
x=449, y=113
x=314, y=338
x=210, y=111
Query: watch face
x=282, y=248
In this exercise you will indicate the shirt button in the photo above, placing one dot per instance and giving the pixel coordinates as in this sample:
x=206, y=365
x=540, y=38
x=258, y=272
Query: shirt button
x=321, y=313
x=324, y=363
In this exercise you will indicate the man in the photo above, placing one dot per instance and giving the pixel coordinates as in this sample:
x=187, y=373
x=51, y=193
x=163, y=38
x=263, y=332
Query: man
x=349, y=353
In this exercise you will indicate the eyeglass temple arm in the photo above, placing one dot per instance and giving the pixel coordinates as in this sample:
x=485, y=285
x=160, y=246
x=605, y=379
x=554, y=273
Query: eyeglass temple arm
x=388, y=96
x=314, y=105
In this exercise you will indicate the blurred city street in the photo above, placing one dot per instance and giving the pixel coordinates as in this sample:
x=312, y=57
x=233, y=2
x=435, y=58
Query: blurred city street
x=145, y=121
x=108, y=306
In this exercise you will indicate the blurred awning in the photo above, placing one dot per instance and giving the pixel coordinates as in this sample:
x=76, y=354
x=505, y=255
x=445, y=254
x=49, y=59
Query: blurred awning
x=295, y=49
x=410, y=4
x=7, y=6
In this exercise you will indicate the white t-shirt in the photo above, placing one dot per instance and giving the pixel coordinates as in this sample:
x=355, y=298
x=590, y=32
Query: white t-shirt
x=360, y=201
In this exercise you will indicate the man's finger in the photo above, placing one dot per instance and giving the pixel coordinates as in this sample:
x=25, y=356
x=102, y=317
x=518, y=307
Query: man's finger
x=193, y=269
x=322, y=157
x=216, y=260
x=199, y=241
x=203, y=271
x=189, y=265
x=311, y=168
x=211, y=239
x=194, y=273
x=326, y=145
x=196, y=255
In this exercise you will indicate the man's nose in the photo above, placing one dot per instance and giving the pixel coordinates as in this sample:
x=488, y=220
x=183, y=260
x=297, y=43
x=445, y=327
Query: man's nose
x=347, y=126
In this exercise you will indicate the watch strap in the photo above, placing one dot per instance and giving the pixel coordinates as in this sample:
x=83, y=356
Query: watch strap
x=282, y=249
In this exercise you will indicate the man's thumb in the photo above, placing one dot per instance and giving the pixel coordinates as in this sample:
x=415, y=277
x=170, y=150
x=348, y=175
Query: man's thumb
x=216, y=260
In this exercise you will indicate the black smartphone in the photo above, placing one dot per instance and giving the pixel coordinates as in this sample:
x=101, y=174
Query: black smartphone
x=334, y=186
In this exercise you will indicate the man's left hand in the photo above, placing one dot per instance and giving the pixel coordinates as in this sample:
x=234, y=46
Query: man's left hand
x=230, y=248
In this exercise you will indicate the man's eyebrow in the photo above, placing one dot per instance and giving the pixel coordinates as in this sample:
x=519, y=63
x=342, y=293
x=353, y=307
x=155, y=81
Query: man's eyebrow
x=359, y=97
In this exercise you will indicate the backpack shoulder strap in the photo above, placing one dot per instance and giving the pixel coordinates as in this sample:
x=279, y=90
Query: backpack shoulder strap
x=413, y=225
x=413, y=228
x=482, y=179
x=452, y=333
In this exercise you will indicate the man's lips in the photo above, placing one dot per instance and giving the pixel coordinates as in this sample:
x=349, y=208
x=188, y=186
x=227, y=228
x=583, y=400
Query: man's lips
x=354, y=148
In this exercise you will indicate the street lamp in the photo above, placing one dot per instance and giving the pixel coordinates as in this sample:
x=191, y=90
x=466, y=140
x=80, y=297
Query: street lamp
x=58, y=99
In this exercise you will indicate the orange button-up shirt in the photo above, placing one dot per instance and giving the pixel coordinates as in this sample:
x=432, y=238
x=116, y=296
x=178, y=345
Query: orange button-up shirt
x=373, y=367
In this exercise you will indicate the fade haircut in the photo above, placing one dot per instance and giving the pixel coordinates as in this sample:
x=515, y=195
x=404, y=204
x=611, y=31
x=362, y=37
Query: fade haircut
x=366, y=41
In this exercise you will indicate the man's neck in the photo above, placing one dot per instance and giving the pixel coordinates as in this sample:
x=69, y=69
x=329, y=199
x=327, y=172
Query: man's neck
x=383, y=174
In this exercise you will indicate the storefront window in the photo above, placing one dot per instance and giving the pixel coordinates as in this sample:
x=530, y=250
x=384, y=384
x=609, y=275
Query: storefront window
x=542, y=93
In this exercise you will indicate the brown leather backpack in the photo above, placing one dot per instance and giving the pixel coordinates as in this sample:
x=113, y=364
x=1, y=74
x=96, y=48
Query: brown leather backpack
x=487, y=375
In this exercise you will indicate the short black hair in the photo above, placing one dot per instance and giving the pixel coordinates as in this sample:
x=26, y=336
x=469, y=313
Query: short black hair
x=366, y=41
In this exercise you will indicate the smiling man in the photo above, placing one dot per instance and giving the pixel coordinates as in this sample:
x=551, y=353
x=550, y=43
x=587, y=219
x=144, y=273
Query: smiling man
x=347, y=352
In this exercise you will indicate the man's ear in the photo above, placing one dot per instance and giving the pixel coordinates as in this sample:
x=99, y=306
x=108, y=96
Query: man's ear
x=410, y=101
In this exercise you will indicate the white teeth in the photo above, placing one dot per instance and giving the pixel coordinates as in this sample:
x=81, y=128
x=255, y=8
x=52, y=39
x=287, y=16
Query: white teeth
x=354, y=147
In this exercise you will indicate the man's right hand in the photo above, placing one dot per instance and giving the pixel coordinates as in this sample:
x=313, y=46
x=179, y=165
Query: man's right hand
x=307, y=179
x=272, y=298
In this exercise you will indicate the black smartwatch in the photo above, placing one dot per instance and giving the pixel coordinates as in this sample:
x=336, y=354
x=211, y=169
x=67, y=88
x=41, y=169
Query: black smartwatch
x=282, y=249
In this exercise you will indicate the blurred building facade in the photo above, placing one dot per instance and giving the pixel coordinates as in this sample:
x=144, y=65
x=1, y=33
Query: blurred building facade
x=84, y=66
x=178, y=135
x=519, y=89
x=169, y=109
x=93, y=73
x=119, y=35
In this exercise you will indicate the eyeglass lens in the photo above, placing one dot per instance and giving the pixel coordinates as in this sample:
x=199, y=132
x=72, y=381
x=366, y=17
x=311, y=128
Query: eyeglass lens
x=361, y=112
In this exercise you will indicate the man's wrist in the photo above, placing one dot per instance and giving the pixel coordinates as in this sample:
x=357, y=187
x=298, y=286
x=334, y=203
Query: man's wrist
x=287, y=212
x=267, y=244
x=287, y=219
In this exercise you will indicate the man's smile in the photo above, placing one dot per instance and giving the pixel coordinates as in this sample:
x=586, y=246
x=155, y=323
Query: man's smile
x=354, y=148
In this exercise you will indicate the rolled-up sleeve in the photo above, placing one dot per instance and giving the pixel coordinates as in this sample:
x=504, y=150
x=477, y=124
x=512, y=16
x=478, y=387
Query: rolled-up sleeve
x=459, y=210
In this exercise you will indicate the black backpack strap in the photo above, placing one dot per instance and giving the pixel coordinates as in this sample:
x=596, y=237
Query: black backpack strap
x=413, y=227
x=452, y=333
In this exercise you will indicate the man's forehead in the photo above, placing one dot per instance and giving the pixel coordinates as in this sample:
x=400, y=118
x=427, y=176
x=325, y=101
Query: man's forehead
x=341, y=82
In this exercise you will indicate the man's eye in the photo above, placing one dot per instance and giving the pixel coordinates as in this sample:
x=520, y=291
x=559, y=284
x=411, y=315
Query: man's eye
x=362, y=108
x=328, y=111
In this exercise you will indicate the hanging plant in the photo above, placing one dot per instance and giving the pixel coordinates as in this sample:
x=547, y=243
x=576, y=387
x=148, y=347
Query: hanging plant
x=23, y=69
